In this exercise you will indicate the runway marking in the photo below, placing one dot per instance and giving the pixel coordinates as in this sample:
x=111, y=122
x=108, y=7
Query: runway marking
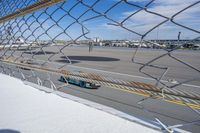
x=134, y=92
x=144, y=93
x=135, y=76
x=196, y=106
x=178, y=102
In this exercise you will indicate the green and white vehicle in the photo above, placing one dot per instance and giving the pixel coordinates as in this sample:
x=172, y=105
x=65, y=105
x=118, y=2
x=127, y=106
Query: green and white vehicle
x=81, y=83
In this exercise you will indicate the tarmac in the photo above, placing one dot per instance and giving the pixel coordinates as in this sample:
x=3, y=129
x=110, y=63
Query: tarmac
x=116, y=63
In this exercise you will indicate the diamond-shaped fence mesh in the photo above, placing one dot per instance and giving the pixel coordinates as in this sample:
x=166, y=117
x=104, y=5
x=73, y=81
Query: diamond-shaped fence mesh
x=42, y=40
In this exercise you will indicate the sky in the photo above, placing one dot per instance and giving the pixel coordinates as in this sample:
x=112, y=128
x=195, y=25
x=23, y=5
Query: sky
x=143, y=21
x=103, y=27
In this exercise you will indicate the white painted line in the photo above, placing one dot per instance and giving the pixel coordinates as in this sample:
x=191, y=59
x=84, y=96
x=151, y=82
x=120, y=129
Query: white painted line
x=123, y=74
x=189, y=85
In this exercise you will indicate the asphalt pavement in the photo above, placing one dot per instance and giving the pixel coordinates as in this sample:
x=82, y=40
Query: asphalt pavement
x=118, y=63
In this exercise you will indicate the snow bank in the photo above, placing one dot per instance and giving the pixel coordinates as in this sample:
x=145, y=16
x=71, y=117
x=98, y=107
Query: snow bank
x=28, y=110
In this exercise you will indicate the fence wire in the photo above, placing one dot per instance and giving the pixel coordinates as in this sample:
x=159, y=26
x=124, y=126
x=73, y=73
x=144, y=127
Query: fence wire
x=39, y=39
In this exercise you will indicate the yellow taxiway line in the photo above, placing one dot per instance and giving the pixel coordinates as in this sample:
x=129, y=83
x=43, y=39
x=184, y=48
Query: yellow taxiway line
x=178, y=102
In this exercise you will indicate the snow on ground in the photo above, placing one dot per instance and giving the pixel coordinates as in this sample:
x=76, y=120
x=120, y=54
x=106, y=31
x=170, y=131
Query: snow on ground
x=27, y=110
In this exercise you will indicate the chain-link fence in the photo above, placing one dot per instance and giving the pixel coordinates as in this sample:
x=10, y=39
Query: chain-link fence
x=42, y=40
